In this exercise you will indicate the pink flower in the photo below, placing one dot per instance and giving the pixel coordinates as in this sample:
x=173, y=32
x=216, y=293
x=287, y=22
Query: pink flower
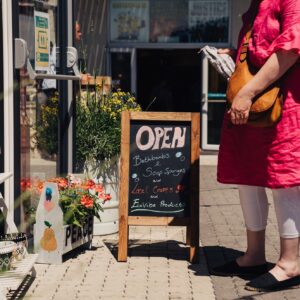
x=107, y=197
x=88, y=185
x=87, y=201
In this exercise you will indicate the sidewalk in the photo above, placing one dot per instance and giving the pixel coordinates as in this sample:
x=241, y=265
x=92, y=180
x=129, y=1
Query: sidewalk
x=223, y=236
x=157, y=267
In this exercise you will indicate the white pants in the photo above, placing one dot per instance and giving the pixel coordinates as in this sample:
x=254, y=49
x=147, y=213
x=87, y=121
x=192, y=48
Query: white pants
x=255, y=209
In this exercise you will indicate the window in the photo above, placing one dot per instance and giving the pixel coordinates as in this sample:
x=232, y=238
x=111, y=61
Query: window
x=186, y=21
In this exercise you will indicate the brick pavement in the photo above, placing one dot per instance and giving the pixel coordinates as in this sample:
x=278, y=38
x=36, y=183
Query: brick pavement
x=157, y=266
x=223, y=237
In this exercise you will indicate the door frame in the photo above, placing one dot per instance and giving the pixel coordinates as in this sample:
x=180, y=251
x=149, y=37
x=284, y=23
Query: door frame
x=8, y=100
x=10, y=16
x=205, y=145
x=1, y=102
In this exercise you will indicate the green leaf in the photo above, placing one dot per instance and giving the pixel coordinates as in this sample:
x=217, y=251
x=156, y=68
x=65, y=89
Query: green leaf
x=47, y=224
x=77, y=223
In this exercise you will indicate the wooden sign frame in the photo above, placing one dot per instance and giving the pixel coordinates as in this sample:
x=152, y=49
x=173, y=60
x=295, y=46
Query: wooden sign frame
x=191, y=222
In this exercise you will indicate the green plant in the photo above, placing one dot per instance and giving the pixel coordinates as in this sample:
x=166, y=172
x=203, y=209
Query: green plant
x=77, y=204
x=46, y=136
x=77, y=198
x=98, y=124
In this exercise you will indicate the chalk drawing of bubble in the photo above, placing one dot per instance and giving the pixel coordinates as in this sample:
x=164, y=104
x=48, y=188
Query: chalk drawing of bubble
x=134, y=175
x=182, y=158
x=178, y=154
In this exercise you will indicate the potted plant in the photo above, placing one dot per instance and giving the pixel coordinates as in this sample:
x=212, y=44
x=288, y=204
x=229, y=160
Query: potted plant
x=64, y=215
x=78, y=198
x=97, y=140
x=98, y=129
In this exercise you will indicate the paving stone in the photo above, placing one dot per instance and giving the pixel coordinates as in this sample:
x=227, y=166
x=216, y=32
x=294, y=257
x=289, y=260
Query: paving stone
x=65, y=294
x=44, y=291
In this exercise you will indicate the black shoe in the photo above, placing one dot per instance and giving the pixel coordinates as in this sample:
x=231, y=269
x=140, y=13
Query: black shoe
x=233, y=269
x=267, y=282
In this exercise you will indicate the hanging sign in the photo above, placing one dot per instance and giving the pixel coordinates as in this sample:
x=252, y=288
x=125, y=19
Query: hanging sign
x=42, y=40
x=160, y=174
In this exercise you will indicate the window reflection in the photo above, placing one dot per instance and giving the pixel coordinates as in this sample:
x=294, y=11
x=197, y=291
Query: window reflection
x=38, y=102
x=164, y=21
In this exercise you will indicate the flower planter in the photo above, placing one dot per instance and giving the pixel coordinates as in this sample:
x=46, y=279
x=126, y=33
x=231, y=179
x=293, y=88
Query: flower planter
x=109, y=219
x=52, y=239
x=108, y=174
x=73, y=237
x=6, y=252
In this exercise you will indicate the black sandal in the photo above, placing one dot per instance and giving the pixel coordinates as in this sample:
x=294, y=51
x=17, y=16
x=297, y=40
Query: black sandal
x=233, y=269
x=267, y=282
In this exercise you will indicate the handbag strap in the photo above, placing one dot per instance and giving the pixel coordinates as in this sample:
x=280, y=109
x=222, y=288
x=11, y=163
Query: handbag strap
x=254, y=7
x=245, y=45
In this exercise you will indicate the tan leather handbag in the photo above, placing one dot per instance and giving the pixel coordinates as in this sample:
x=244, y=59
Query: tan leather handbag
x=267, y=106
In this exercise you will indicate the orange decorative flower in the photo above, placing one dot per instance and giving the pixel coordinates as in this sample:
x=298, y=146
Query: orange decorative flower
x=107, y=197
x=99, y=188
x=61, y=182
x=87, y=201
x=25, y=184
x=89, y=184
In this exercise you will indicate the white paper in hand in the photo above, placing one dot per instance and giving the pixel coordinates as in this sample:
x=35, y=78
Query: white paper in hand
x=223, y=63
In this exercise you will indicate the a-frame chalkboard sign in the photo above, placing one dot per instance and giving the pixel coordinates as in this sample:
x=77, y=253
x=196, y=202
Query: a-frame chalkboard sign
x=160, y=174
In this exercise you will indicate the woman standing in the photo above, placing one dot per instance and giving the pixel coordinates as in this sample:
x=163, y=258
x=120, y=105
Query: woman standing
x=255, y=158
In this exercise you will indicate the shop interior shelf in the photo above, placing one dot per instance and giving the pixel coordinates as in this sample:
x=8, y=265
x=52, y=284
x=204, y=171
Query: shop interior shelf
x=11, y=280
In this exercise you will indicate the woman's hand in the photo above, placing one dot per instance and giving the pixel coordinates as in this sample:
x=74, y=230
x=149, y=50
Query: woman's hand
x=240, y=108
x=231, y=52
x=277, y=64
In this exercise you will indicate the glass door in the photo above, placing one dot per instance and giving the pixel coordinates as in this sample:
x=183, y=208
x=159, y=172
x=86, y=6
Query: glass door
x=43, y=98
x=169, y=79
x=213, y=106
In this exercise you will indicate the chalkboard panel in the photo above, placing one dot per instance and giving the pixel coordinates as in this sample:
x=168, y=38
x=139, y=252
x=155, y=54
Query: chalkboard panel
x=159, y=168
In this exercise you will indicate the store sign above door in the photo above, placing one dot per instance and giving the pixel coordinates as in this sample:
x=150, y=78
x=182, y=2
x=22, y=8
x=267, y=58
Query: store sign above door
x=42, y=40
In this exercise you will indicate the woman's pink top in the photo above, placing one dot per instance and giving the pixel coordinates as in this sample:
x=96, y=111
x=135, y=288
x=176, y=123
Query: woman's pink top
x=268, y=157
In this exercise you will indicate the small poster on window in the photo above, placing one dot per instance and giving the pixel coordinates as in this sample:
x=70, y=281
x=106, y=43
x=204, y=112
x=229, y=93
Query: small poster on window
x=129, y=21
x=42, y=40
x=203, y=11
x=209, y=20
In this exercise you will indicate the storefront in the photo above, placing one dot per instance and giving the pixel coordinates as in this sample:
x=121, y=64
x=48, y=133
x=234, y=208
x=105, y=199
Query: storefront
x=150, y=47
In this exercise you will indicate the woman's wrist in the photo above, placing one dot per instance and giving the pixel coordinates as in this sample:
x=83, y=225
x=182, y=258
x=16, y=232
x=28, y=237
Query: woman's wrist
x=247, y=93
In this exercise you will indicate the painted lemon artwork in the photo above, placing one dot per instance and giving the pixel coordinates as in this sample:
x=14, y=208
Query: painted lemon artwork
x=48, y=241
